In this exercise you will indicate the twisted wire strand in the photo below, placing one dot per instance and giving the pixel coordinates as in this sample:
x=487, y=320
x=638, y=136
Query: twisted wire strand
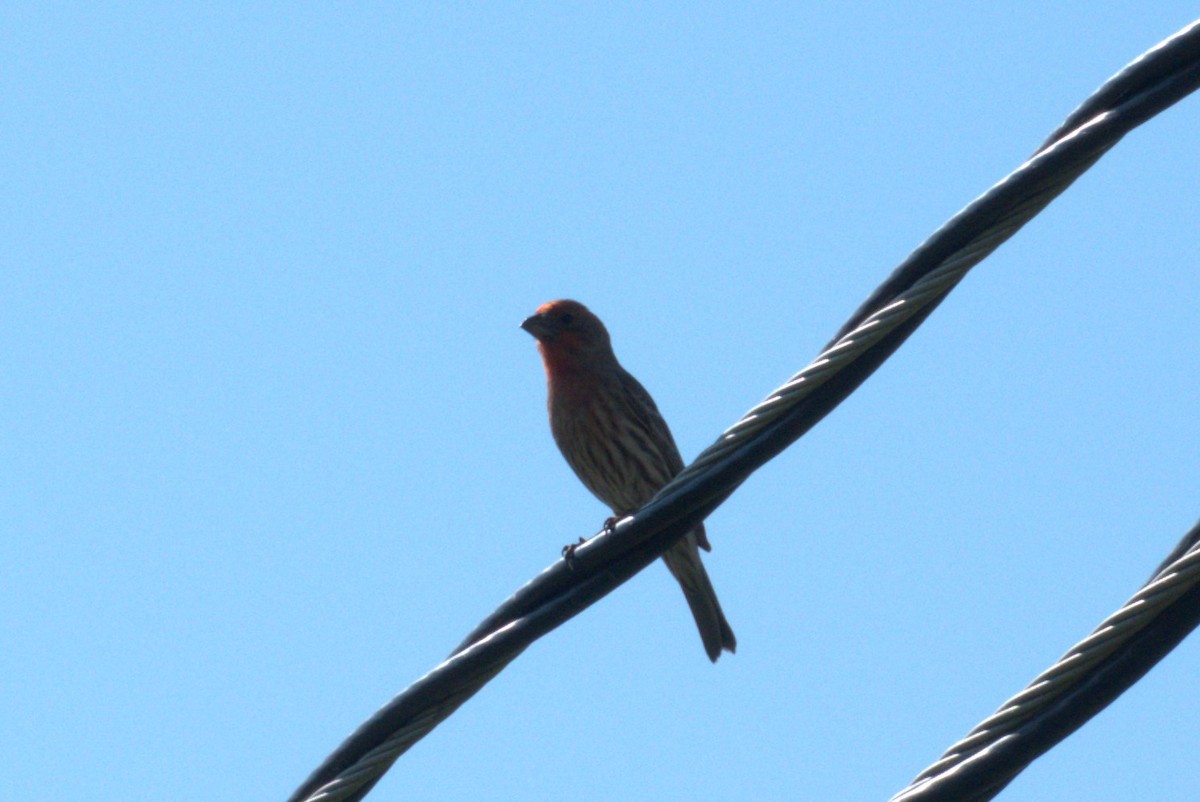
x=979, y=766
x=357, y=779
x=1150, y=84
x=1051, y=684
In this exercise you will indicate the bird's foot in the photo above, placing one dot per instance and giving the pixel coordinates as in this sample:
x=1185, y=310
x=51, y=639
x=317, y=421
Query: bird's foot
x=568, y=551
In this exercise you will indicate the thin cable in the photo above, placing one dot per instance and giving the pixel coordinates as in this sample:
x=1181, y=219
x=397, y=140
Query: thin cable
x=1149, y=85
x=1080, y=684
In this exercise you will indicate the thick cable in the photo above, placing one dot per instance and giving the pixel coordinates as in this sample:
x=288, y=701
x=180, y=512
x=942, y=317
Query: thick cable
x=1147, y=86
x=1079, y=685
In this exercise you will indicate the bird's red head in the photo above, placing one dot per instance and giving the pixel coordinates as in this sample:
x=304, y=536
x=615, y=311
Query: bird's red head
x=568, y=335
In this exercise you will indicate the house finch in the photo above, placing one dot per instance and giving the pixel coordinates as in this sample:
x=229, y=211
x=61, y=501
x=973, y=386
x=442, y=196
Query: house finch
x=613, y=437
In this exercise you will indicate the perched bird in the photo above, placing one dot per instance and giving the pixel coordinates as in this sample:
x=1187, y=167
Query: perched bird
x=613, y=437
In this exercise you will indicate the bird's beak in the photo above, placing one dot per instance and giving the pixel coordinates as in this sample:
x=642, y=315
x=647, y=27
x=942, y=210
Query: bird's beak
x=535, y=325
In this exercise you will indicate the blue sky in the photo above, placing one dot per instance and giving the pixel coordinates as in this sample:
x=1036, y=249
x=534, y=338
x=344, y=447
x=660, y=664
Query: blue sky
x=272, y=441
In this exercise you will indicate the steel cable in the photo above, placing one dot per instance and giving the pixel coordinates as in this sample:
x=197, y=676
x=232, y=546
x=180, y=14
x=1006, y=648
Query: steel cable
x=1150, y=84
x=1082, y=682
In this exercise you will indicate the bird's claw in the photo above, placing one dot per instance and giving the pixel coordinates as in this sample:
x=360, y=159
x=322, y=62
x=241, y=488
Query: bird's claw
x=568, y=551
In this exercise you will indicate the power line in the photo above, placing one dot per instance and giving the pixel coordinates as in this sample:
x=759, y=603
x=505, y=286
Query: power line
x=979, y=766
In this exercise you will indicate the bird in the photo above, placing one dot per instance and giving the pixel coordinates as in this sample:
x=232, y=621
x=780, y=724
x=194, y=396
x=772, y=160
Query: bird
x=612, y=435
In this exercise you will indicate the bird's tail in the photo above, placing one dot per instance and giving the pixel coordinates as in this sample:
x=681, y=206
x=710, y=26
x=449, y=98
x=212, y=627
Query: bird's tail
x=684, y=561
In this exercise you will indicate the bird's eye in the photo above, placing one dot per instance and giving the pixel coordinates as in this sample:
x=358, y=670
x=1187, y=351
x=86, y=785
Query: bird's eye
x=566, y=319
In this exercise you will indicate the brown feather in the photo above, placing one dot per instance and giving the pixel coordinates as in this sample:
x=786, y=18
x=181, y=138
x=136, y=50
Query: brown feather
x=612, y=435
